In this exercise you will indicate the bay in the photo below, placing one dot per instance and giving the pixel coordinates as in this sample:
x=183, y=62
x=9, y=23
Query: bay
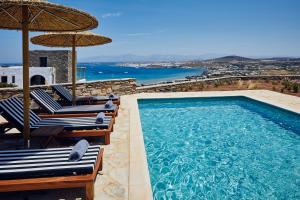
x=100, y=71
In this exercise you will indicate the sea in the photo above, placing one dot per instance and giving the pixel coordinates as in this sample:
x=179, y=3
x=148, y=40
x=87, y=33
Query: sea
x=100, y=71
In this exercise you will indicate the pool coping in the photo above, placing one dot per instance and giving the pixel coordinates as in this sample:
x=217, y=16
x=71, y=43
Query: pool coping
x=139, y=179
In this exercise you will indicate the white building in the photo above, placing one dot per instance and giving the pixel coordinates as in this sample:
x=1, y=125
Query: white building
x=37, y=75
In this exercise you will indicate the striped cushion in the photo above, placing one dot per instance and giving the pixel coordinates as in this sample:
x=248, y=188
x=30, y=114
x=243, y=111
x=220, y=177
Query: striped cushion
x=66, y=95
x=78, y=123
x=12, y=110
x=19, y=164
x=63, y=92
x=85, y=109
x=104, y=98
x=45, y=100
x=48, y=103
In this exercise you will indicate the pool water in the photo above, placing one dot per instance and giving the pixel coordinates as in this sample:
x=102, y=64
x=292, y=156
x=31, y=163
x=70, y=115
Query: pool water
x=221, y=148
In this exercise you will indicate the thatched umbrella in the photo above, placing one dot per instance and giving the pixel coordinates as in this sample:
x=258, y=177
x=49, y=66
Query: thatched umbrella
x=39, y=15
x=71, y=39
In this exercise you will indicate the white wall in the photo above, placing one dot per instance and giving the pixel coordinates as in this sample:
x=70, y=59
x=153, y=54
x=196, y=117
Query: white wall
x=47, y=72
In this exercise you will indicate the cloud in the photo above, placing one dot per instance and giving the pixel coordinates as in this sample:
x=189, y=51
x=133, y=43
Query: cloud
x=115, y=14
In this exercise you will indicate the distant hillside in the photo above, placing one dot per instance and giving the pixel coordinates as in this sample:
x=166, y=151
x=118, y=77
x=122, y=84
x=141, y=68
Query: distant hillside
x=147, y=58
x=232, y=59
x=283, y=59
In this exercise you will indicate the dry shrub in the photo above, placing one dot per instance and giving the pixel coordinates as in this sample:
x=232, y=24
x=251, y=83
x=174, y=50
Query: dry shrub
x=251, y=86
x=295, y=87
x=217, y=83
x=228, y=82
x=240, y=84
x=201, y=86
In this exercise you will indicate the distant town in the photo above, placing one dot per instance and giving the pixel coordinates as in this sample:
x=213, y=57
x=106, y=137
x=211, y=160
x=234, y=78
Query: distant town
x=232, y=66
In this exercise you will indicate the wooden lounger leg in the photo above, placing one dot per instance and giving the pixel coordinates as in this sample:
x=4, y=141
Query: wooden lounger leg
x=89, y=191
x=107, y=138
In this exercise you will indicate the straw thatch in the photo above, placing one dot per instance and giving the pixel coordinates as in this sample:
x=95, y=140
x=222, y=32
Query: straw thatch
x=66, y=39
x=44, y=16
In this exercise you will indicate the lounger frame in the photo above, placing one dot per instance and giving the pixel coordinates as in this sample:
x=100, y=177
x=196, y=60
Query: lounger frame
x=47, y=115
x=44, y=112
x=70, y=133
x=79, y=181
x=85, y=133
x=64, y=102
x=89, y=133
x=89, y=101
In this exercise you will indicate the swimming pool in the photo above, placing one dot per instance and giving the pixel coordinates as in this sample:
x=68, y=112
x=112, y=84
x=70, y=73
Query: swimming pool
x=221, y=148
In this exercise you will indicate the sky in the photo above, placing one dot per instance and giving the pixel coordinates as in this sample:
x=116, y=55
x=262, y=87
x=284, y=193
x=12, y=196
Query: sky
x=195, y=28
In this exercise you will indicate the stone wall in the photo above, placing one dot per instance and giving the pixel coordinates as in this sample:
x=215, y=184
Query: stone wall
x=116, y=86
x=128, y=86
x=197, y=85
x=61, y=60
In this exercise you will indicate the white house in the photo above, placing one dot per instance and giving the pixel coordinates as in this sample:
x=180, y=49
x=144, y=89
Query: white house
x=37, y=75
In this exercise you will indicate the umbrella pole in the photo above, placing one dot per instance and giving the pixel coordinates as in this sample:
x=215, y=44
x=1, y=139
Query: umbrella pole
x=74, y=71
x=25, y=38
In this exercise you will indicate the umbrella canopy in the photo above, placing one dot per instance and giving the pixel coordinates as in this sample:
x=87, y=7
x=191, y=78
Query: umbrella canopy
x=39, y=15
x=65, y=39
x=44, y=16
x=71, y=39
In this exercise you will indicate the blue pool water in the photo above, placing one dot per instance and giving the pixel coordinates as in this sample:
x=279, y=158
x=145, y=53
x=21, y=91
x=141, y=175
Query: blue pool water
x=221, y=148
x=99, y=71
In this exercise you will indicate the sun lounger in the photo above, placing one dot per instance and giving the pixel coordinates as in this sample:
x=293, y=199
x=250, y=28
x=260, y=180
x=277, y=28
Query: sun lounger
x=12, y=110
x=67, y=97
x=44, y=100
x=40, y=169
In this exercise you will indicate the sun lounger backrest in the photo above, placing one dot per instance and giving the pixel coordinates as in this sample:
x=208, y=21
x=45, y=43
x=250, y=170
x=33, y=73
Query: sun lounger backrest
x=31, y=163
x=63, y=92
x=45, y=100
x=12, y=110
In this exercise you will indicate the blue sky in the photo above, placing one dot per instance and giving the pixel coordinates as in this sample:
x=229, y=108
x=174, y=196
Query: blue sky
x=254, y=28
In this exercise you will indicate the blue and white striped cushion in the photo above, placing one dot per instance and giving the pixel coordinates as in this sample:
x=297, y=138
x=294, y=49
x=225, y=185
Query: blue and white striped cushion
x=76, y=123
x=18, y=164
x=86, y=109
x=63, y=92
x=12, y=108
x=45, y=100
